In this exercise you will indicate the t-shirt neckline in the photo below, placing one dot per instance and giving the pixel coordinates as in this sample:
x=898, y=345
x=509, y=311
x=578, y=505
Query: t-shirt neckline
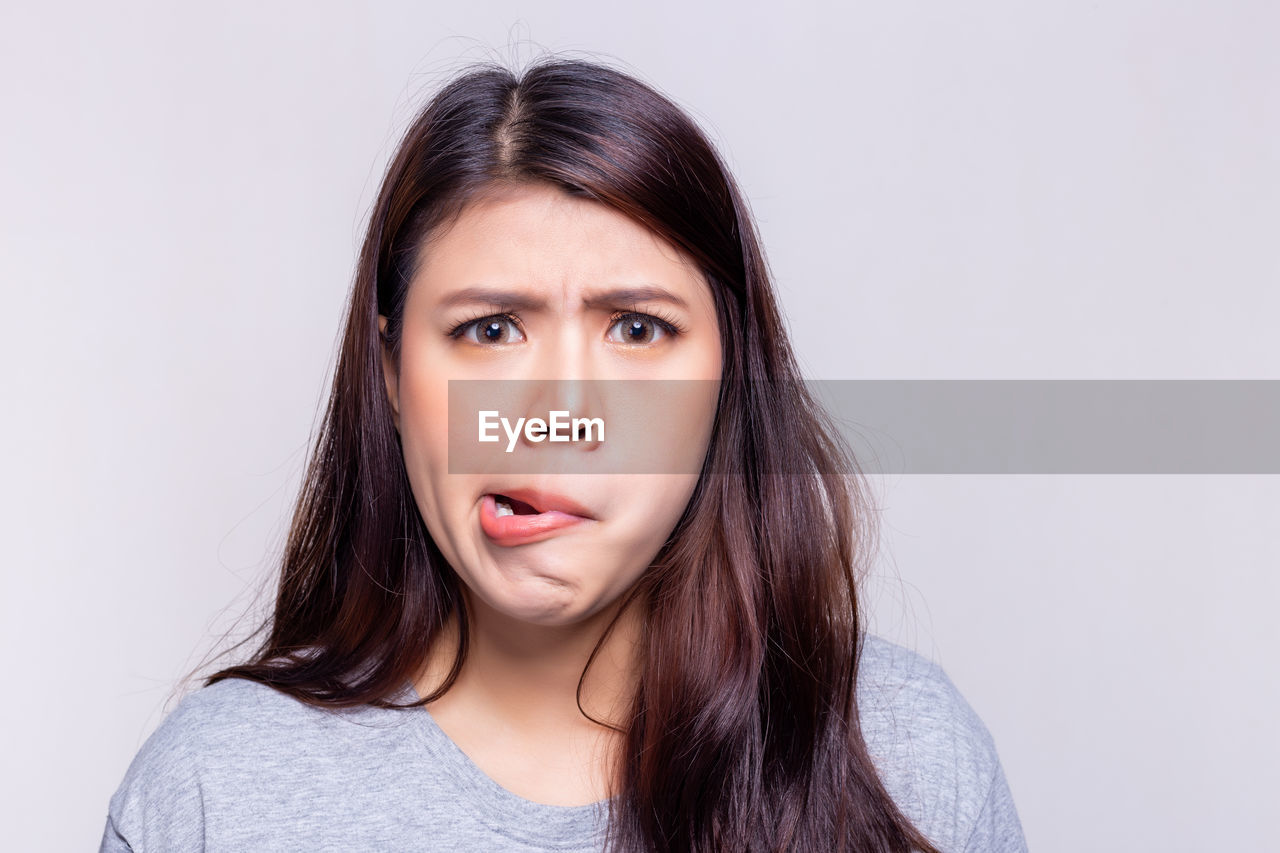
x=502, y=810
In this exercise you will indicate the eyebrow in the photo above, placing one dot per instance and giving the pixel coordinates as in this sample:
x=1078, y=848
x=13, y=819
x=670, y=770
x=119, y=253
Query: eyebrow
x=516, y=300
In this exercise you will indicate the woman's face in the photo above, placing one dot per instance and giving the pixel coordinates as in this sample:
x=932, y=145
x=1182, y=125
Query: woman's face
x=528, y=285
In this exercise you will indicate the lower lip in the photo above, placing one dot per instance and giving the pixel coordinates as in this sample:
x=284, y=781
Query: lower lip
x=522, y=529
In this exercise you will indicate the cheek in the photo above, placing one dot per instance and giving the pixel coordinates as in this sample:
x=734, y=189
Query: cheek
x=676, y=494
x=424, y=435
x=424, y=407
x=657, y=502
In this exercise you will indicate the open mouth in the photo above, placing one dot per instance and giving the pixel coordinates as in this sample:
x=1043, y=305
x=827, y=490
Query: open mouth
x=509, y=521
x=504, y=505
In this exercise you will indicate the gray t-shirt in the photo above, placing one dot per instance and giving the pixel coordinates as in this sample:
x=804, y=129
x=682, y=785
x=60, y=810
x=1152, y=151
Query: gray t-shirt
x=240, y=766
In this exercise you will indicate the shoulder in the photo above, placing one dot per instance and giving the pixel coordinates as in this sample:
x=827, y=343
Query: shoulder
x=935, y=755
x=234, y=735
x=159, y=804
x=230, y=716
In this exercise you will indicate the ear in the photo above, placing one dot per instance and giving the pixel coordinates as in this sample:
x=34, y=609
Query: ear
x=389, y=372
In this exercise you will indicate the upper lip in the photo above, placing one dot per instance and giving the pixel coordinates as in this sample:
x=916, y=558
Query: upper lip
x=544, y=501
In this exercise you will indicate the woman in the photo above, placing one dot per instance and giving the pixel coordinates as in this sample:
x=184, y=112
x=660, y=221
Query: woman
x=659, y=650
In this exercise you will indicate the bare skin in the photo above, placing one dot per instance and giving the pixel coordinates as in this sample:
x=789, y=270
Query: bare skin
x=513, y=711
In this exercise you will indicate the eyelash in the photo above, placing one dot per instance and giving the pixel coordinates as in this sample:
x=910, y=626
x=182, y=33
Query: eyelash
x=457, y=330
x=669, y=324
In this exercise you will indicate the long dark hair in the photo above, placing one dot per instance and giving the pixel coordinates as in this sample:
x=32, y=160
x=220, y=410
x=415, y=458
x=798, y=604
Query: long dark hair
x=743, y=734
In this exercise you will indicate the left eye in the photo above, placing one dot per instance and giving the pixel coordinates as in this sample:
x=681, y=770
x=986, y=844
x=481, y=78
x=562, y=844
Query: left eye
x=490, y=331
x=640, y=329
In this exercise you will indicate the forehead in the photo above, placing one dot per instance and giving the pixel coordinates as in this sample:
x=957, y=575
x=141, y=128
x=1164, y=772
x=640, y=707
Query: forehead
x=538, y=236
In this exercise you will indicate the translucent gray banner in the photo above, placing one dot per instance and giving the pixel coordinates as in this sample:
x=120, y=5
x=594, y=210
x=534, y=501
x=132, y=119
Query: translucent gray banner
x=891, y=426
x=1091, y=426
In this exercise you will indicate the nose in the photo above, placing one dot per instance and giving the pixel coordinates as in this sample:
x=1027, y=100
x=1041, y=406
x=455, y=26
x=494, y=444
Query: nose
x=569, y=396
x=573, y=410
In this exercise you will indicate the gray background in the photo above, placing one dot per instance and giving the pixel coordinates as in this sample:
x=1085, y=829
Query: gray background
x=989, y=190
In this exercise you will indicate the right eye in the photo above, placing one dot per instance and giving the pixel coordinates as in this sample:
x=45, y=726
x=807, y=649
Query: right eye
x=490, y=330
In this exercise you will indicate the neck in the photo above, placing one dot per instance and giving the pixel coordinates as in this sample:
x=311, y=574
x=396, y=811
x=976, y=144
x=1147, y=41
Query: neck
x=530, y=673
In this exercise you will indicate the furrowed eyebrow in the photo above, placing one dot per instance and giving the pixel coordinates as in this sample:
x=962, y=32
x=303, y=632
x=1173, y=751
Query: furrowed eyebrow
x=512, y=300
x=515, y=300
x=626, y=295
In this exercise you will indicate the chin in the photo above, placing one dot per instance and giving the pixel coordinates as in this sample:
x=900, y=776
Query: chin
x=545, y=601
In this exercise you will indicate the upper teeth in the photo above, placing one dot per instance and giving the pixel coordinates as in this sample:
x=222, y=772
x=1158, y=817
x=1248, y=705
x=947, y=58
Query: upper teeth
x=503, y=508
